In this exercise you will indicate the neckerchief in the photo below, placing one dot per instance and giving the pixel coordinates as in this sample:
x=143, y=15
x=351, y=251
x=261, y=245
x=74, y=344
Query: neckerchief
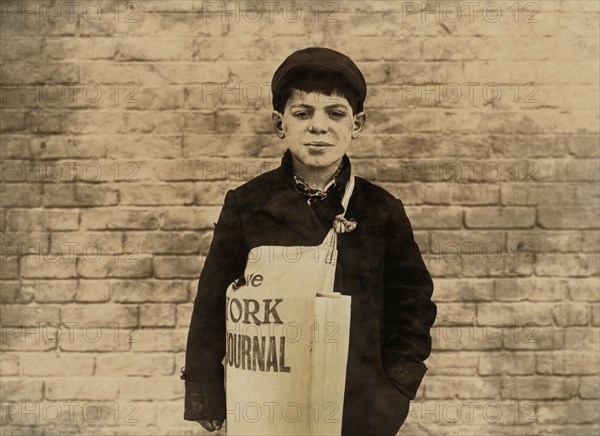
x=314, y=194
x=334, y=187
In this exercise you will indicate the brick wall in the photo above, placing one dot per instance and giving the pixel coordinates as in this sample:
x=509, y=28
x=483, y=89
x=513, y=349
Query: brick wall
x=124, y=124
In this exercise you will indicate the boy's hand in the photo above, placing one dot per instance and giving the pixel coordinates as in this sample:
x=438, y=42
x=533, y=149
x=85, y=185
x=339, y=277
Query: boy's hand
x=209, y=425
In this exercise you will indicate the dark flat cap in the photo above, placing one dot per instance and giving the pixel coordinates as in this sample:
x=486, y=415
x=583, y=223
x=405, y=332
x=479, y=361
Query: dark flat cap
x=321, y=59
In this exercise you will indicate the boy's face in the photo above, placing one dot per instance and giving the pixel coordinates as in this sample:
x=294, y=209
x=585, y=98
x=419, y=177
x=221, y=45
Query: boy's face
x=317, y=128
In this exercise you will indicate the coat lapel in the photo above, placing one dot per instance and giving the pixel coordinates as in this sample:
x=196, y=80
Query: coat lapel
x=288, y=206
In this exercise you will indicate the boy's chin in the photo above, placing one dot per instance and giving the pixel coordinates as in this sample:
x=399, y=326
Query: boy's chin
x=317, y=160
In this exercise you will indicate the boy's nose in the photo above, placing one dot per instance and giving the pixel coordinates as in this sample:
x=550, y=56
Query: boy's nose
x=318, y=124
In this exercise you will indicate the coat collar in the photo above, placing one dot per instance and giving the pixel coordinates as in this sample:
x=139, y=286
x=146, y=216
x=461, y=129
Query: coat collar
x=289, y=206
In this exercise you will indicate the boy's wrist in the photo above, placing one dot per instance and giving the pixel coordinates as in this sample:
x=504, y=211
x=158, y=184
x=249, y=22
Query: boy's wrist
x=405, y=374
x=203, y=402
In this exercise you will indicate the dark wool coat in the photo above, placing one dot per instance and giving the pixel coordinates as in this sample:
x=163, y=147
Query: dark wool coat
x=379, y=265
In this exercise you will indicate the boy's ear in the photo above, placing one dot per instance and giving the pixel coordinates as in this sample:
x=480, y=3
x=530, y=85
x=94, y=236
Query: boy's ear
x=277, y=118
x=359, y=123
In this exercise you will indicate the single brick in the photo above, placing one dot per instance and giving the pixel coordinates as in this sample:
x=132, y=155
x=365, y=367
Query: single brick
x=192, y=218
x=531, y=289
x=22, y=315
x=130, y=265
x=455, y=314
x=73, y=364
x=160, y=339
x=568, y=218
x=582, y=338
x=492, y=217
x=571, y=314
x=135, y=291
x=49, y=264
x=589, y=387
x=568, y=362
x=462, y=387
x=539, y=387
x=164, y=242
x=118, y=218
x=184, y=314
x=69, y=388
x=177, y=266
x=16, y=389
x=456, y=363
x=157, y=315
x=460, y=290
x=12, y=292
x=567, y=264
x=119, y=364
x=533, y=337
x=89, y=336
x=157, y=195
x=506, y=363
x=467, y=338
x=35, y=338
x=20, y=195
x=43, y=219
x=9, y=364
x=161, y=388
x=568, y=412
x=102, y=315
x=515, y=314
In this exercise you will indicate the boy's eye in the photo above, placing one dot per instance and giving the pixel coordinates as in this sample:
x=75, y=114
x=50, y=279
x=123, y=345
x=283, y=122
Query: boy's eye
x=301, y=114
x=337, y=114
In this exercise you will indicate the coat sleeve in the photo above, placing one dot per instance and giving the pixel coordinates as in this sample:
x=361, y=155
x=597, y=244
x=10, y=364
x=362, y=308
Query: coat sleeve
x=409, y=312
x=203, y=372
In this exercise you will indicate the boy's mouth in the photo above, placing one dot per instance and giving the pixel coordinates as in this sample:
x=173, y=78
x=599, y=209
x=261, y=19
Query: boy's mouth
x=318, y=144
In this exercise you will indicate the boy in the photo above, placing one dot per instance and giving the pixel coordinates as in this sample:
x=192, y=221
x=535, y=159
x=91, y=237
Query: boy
x=318, y=97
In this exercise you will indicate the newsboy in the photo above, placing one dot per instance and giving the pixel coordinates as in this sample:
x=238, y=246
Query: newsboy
x=318, y=97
